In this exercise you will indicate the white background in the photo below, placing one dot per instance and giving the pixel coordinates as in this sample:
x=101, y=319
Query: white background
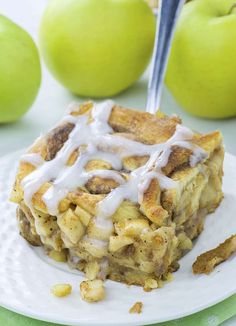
x=53, y=98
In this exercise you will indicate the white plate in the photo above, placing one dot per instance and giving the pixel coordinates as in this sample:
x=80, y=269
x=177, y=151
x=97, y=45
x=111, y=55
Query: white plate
x=26, y=275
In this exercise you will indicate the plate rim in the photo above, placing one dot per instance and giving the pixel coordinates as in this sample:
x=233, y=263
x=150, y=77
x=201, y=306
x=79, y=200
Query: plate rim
x=147, y=322
x=27, y=312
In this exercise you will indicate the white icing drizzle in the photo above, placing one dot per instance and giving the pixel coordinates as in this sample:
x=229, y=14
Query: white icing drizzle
x=70, y=119
x=95, y=141
x=95, y=242
x=68, y=178
x=72, y=107
x=103, y=268
x=34, y=159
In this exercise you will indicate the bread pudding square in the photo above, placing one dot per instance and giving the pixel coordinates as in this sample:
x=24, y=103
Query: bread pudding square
x=118, y=193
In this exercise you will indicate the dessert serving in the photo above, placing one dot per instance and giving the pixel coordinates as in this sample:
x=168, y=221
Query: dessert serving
x=118, y=193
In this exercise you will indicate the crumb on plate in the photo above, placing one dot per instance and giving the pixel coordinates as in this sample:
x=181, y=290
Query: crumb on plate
x=92, y=291
x=206, y=262
x=136, y=308
x=61, y=290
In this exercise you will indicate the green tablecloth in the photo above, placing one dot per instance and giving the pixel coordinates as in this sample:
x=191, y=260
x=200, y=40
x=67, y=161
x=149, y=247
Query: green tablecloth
x=212, y=316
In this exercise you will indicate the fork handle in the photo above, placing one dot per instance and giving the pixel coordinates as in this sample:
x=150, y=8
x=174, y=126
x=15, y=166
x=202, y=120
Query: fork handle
x=168, y=15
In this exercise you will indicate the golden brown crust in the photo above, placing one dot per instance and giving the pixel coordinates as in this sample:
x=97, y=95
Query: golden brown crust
x=147, y=128
x=207, y=261
x=151, y=205
x=178, y=158
x=101, y=186
x=208, y=142
x=56, y=138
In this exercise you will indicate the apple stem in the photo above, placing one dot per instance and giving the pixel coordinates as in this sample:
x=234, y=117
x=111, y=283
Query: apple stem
x=232, y=8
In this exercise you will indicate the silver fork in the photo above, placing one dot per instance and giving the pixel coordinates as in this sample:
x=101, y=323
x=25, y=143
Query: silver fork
x=167, y=17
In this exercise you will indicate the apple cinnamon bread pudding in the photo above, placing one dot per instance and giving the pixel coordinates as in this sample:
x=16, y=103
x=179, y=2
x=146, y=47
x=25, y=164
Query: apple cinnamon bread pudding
x=118, y=193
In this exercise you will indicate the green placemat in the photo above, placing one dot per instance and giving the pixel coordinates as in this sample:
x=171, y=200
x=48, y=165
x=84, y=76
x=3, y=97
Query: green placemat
x=212, y=316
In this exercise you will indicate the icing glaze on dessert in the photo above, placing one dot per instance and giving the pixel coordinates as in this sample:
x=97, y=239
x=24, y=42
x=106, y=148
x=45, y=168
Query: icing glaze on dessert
x=94, y=140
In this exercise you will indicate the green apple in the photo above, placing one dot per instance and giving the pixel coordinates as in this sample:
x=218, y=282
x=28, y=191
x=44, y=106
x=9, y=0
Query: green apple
x=97, y=48
x=201, y=71
x=20, y=71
